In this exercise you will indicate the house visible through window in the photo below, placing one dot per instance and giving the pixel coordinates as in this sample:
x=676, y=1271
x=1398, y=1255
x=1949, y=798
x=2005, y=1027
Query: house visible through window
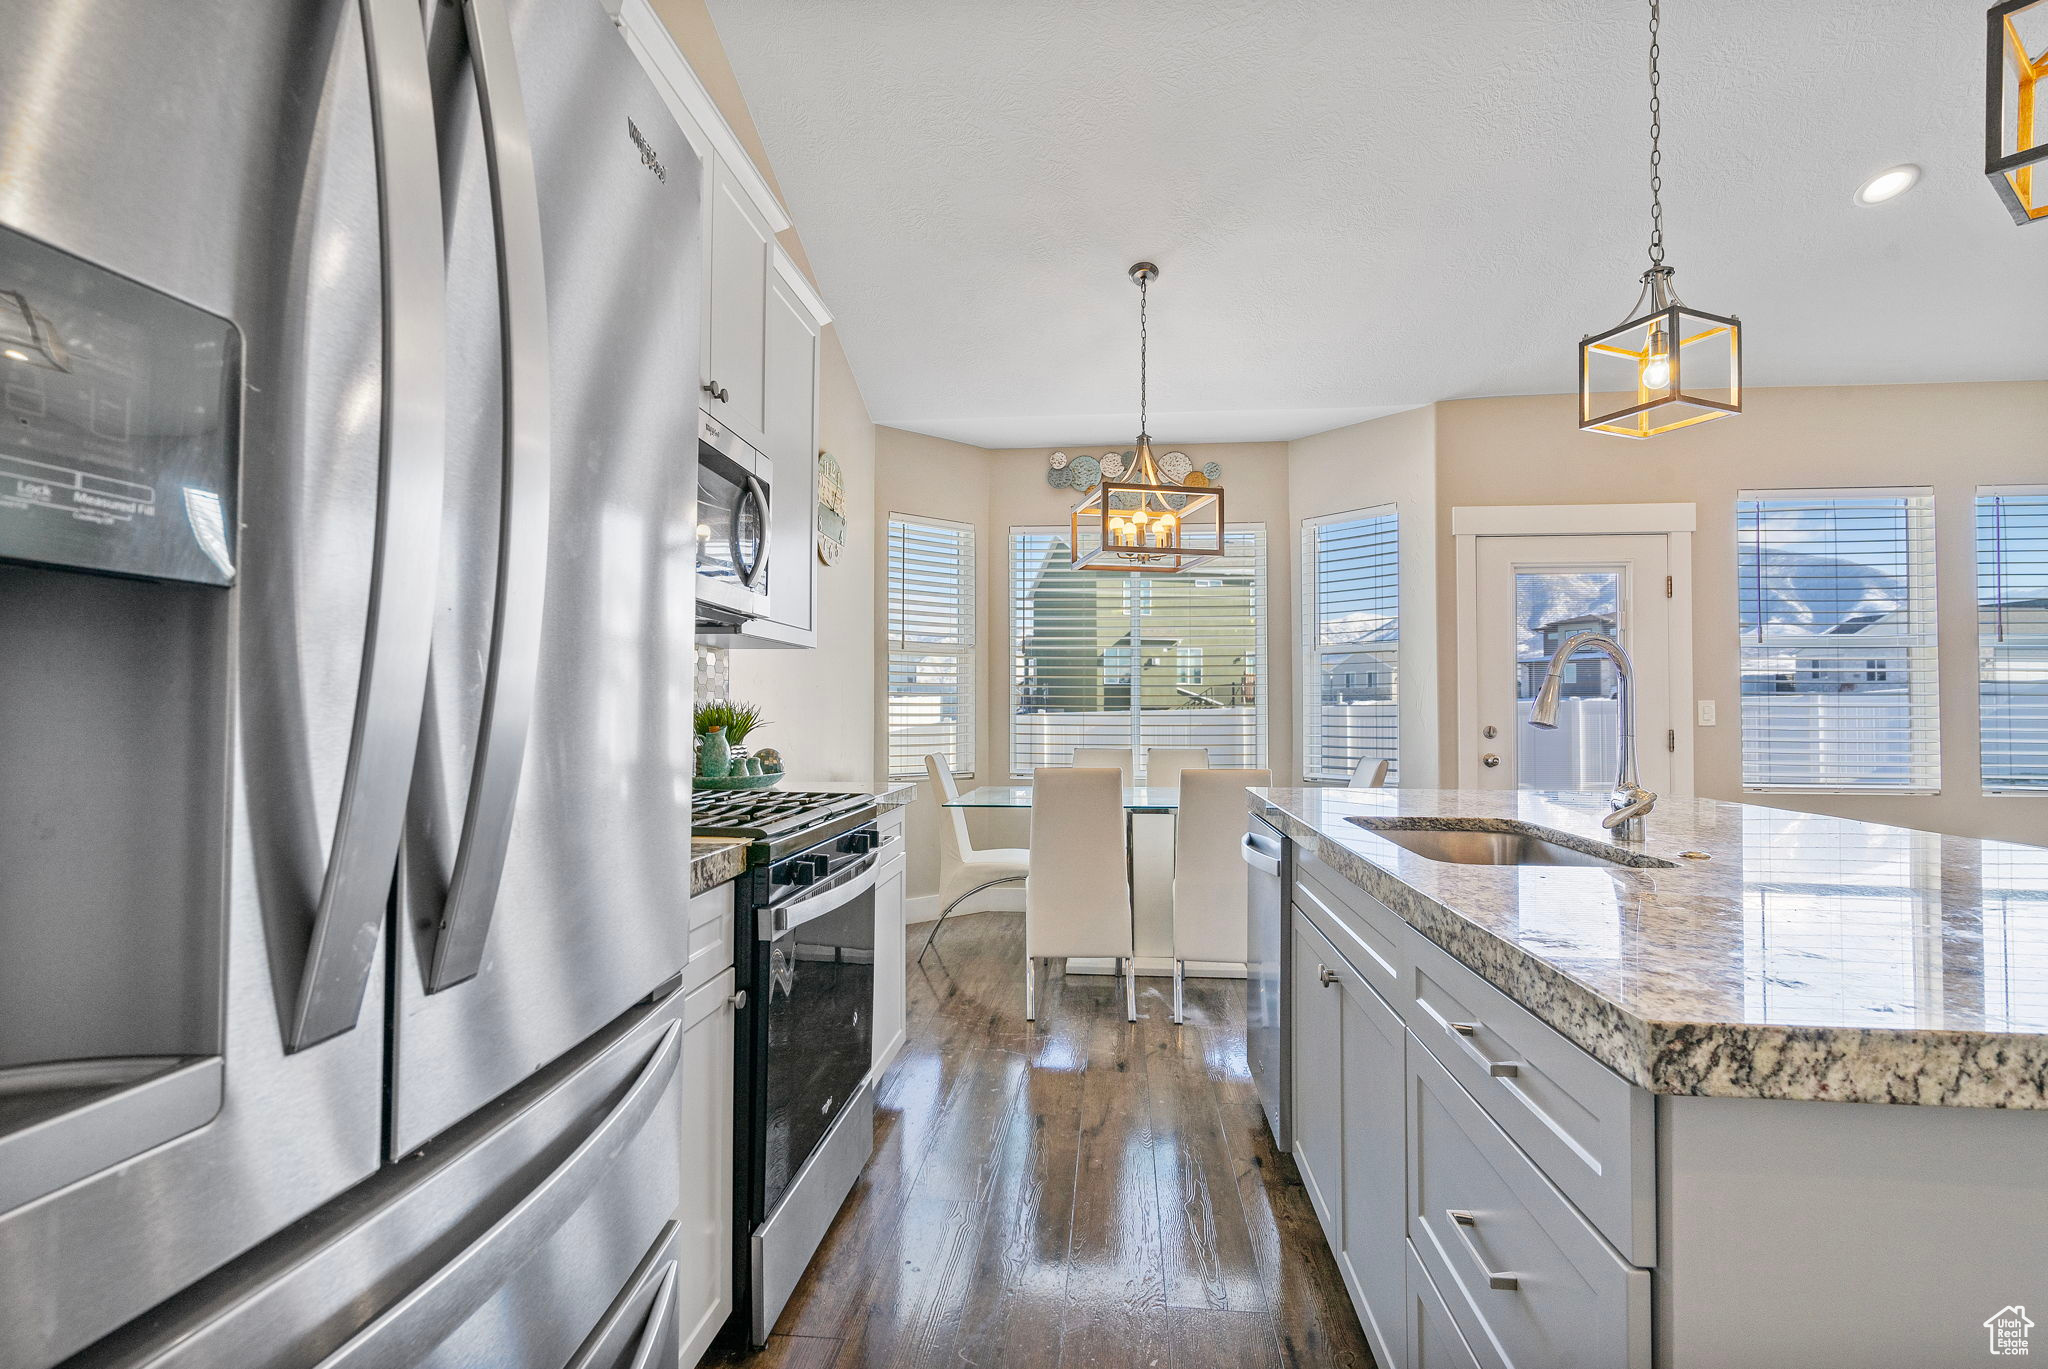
x=931, y=644
x=1136, y=660
x=1351, y=643
x=2012, y=638
x=1836, y=596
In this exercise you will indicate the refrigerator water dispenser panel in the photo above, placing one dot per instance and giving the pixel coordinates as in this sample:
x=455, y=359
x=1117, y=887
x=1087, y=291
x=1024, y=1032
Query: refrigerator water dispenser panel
x=118, y=429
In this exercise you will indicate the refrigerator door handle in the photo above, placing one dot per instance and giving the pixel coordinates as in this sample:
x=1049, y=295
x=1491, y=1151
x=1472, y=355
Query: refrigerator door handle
x=513, y=668
x=398, y=634
x=427, y=1315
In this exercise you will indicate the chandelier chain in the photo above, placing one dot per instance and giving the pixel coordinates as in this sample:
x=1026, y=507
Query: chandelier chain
x=1143, y=296
x=1656, y=149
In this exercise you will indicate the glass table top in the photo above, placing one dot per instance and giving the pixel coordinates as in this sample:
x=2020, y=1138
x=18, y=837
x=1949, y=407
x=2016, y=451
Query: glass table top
x=1140, y=800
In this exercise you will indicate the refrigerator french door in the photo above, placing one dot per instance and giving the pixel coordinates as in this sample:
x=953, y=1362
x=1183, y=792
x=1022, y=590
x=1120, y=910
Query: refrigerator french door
x=342, y=535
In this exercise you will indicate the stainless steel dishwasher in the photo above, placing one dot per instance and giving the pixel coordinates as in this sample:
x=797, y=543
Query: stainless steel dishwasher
x=1268, y=980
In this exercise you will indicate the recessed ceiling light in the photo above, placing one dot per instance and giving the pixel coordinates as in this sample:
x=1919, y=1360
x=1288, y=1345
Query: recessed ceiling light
x=1888, y=185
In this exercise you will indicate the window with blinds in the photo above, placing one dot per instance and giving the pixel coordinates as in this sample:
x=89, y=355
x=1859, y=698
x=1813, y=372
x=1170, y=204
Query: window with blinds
x=1103, y=659
x=1836, y=597
x=1351, y=644
x=931, y=644
x=2012, y=639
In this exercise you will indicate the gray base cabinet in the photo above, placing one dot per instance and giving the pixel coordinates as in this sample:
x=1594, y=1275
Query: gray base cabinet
x=1497, y=1199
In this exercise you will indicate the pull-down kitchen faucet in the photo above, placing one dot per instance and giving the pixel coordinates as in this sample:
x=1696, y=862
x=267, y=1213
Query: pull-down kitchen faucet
x=1629, y=801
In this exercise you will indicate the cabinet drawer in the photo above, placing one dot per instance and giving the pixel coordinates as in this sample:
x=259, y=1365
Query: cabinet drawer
x=1587, y=1127
x=1526, y=1278
x=710, y=936
x=1434, y=1340
x=1365, y=931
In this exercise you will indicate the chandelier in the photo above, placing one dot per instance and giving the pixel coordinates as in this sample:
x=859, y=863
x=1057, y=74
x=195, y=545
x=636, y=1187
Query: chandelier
x=2011, y=152
x=1670, y=366
x=1141, y=523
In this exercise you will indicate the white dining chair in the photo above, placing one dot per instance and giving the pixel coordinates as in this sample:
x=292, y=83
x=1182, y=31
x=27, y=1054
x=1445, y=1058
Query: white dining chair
x=964, y=871
x=1077, y=901
x=1210, y=890
x=1163, y=764
x=1370, y=774
x=1096, y=756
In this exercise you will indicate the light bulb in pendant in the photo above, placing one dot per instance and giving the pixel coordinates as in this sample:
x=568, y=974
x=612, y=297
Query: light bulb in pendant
x=1656, y=374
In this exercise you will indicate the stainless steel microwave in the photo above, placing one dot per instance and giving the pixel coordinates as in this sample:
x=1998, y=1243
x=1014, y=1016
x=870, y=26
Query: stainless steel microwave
x=732, y=525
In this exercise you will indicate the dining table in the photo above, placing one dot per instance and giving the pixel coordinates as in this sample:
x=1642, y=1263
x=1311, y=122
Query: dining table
x=1148, y=840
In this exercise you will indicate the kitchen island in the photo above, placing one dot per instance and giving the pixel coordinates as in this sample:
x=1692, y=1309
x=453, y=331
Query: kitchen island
x=1764, y=1089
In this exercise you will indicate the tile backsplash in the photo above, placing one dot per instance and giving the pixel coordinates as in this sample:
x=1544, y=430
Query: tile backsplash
x=713, y=676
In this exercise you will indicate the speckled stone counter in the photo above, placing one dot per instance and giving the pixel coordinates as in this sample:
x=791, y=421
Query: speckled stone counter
x=1807, y=958
x=715, y=861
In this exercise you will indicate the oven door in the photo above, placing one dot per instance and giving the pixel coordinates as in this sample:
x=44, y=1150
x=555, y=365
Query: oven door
x=732, y=531
x=818, y=980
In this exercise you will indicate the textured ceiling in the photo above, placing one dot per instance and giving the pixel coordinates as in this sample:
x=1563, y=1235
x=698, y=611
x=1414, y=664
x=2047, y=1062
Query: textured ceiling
x=1359, y=206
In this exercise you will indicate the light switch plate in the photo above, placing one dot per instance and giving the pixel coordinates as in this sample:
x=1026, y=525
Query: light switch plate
x=1706, y=712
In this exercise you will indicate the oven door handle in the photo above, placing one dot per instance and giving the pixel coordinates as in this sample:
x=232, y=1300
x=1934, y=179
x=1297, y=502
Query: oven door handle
x=833, y=897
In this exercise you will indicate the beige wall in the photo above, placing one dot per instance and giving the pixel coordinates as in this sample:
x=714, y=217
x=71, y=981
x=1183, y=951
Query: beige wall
x=1951, y=437
x=1386, y=461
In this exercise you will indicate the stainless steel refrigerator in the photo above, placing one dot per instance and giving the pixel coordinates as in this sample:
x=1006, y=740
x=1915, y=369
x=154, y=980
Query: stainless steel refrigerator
x=347, y=453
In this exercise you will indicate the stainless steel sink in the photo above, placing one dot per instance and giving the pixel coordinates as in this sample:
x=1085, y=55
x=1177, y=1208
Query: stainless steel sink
x=1523, y=844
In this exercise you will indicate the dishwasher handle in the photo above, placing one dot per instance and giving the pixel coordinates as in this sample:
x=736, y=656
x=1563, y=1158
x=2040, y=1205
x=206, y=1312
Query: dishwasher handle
x=1261, y=853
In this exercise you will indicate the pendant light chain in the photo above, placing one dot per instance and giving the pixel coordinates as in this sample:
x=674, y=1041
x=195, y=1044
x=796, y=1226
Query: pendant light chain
x=1143, y=296
x=1656, y=149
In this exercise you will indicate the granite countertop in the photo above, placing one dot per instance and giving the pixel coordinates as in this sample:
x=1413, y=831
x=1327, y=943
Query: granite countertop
x=715, y=861
x=1808, y=958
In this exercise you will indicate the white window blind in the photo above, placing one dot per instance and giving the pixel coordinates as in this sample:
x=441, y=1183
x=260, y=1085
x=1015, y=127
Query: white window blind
x=1101, y=659
x=1836, y=597
x=1351, y=644
x=2012, y=639
x=931, y=644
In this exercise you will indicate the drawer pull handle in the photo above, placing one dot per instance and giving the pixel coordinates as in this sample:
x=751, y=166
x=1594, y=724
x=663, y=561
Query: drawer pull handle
x=1504, y=1069
x=1504, y=1283
x=1326, y=974
x=1464, y=1028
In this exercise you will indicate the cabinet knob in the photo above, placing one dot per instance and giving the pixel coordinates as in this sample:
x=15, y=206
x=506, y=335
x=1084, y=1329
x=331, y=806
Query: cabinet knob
x=716, y=391
x=738, y=999
x=1326, y=974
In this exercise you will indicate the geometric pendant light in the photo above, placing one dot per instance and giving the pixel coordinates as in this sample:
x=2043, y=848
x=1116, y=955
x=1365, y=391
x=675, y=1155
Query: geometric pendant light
x=1670, y=366
x=1144, y=523
x=2011, y=148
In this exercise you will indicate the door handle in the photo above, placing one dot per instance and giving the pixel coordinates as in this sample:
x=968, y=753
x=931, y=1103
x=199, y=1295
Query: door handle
x=513, y=666
x=404, y=1332
x=1253, y=849
x=657, y=1344
x=1463, y=1222
x=398, y=632
x=1489, y=760
x=750, y=575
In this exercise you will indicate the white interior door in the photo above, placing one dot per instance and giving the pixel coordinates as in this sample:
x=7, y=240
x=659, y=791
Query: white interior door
x=1532, y=593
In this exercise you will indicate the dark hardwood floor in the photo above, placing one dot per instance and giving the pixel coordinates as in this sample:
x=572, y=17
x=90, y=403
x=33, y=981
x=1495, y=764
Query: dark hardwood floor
x=1079, y=1191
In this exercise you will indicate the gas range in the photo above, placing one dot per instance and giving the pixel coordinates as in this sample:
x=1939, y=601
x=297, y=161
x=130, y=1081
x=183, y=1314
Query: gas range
x=778, y=822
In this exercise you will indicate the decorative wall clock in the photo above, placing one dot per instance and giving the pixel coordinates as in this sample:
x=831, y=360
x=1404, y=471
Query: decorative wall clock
x=831, y=509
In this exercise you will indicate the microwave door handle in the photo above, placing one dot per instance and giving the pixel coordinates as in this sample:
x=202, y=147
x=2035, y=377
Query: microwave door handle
x=513, y=667
x=398, y=631
x=758, y=493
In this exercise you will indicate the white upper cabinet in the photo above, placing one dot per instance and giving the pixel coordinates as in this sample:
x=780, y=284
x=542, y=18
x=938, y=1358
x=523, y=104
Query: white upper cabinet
x=735, y=361
x=790, y=441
